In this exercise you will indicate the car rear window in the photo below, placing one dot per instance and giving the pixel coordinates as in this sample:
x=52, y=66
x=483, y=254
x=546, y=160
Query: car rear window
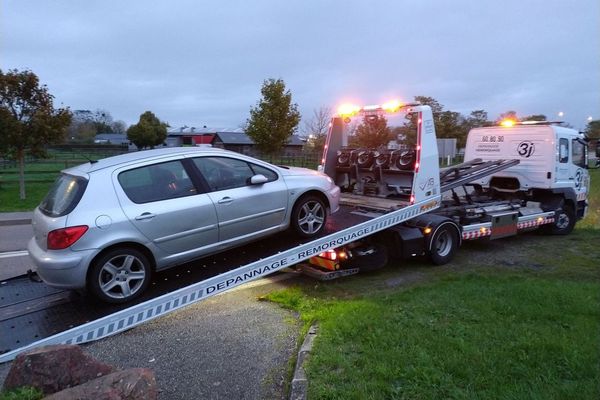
x=63, y=195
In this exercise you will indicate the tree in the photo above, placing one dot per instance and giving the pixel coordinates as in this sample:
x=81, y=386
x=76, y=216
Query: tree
x=87, y=124
x=535, y=117
x=119, y=127
x=592, y=130
x=28, y=120
x=317, y=127
x=148, y=132
x=274, y=119
x=508, y=115
x=478, y=119
x=373, y=132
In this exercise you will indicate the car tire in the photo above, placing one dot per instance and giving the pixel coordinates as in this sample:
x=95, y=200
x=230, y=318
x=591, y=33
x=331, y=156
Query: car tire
x=443, y=244
x=120, y=275
x=309, y=216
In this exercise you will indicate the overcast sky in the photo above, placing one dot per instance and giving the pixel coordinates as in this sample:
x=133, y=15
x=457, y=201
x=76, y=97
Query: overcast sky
x=201, y=63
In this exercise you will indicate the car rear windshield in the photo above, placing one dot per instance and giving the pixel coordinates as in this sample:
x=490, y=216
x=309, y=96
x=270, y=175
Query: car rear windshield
x=63, y=196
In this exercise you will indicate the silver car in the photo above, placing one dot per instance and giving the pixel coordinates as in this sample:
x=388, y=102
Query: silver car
x=108, y=225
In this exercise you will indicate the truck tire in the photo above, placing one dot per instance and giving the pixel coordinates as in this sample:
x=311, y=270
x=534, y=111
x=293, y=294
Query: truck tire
x=564, y=221
x=443, y=244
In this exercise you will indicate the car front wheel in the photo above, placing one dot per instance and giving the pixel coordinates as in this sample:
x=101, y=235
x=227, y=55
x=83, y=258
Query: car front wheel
x=309, y=216
x=120, y=275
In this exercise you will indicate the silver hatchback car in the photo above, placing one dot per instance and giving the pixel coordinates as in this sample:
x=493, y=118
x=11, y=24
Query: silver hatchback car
x=108, y=225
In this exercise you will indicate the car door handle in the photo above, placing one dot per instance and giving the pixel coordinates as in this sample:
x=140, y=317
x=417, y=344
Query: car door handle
x=225, y=200
x=144, y=216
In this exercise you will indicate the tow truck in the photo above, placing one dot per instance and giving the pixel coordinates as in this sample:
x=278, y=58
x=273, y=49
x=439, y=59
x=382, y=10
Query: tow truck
x=396, y=202
x=518, y=177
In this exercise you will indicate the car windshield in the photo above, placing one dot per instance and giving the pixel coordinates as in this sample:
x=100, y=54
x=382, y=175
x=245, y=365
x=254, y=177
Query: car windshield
x=63, y=196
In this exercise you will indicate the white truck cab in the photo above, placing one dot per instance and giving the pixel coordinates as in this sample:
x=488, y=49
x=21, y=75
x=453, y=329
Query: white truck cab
x=552, y=165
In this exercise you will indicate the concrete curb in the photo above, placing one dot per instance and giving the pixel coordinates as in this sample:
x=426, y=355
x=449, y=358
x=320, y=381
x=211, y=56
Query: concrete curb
x=300, y=381
x=21, y=221
x=16, y=218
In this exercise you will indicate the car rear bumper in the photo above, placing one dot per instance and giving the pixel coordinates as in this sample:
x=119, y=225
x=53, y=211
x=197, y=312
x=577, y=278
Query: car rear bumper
x=65, y=269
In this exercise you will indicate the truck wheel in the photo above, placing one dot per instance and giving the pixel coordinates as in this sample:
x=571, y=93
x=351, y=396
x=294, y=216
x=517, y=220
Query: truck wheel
x=120, y=275
x=443, y=245
x=564, y=221
x=309, y=216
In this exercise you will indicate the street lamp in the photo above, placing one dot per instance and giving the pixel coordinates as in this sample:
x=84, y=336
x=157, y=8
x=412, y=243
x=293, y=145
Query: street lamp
x=561, y=114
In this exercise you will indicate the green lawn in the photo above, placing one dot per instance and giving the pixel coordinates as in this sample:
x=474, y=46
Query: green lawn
x=517, y=318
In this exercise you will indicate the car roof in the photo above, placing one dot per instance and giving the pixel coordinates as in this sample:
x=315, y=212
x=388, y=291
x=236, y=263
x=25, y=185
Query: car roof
x=144, y=155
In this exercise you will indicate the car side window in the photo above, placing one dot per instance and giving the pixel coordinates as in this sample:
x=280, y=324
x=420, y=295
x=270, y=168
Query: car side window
x=156, y=182
x=223, y=173
x=563, y=150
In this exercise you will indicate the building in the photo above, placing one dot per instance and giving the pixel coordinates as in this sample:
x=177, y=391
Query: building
x=229, y=139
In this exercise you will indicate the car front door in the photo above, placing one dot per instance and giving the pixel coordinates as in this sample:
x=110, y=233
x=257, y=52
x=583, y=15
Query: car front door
x=168, y=209
x=244, y=210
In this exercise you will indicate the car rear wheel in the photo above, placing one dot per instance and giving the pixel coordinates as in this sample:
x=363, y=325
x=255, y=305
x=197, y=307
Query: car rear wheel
x=309, y=216
x=120, y=275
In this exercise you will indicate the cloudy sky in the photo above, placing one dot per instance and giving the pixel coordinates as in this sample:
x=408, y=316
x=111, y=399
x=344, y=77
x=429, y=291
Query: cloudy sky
x=201, y=63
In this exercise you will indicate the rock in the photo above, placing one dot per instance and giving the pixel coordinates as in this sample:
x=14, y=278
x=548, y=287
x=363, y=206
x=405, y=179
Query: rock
x=54, y=368
x=130, y=384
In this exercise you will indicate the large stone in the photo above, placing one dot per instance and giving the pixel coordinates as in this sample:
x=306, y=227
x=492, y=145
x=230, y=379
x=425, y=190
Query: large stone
x=130, y=384
x=54, y=368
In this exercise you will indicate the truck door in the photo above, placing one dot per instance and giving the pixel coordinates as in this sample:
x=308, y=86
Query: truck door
x=578, y=168
x=563, y=167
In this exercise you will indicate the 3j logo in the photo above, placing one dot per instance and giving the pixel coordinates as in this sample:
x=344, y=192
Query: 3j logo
x=578, y=178
x=526, y=149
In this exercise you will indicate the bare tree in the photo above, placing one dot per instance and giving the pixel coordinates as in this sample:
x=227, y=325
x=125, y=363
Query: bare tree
x=316, y=128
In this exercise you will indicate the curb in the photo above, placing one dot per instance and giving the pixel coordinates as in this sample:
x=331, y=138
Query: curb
x=300, y=381
x=10, y=222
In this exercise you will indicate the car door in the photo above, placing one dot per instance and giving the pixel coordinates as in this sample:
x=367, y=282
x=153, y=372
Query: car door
x=168, y=209
x=244, y=210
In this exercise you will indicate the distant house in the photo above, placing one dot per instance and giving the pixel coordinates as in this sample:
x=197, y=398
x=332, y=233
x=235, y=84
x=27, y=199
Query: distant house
x=114, y=139
x=229, y=139
x=111, y=138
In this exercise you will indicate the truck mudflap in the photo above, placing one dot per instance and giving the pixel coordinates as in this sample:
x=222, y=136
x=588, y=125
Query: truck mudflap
x=506, y=226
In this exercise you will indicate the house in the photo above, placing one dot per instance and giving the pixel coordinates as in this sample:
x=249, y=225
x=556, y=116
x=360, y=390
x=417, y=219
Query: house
x=119, y=139
x=229, y=139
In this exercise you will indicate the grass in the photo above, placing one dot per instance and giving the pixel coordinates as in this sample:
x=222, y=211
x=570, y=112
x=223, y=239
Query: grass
x=24, y=393
x=517, y=318
x=9, y=196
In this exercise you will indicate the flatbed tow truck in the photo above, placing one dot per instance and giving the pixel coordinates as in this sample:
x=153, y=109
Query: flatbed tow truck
x=395, y=203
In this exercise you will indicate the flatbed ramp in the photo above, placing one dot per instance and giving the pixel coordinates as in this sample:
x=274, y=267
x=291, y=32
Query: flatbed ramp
x=77, y=320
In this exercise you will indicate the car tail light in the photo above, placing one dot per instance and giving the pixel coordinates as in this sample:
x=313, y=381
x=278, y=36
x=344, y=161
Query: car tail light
x=59, y=239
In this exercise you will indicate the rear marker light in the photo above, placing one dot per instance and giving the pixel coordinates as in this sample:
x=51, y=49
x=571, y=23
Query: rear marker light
x=59, y=239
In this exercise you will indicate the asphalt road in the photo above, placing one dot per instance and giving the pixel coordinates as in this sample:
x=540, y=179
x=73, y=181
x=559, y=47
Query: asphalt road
x=231, y=346
x=13, y=259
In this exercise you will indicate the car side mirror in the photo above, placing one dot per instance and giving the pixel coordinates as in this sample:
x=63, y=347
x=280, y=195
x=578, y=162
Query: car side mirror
x=258, y=179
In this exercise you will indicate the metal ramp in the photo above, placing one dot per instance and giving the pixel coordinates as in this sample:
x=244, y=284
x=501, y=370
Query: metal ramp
x=470, y=171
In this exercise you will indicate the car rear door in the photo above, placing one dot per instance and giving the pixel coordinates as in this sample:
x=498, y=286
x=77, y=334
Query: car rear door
x=163, y=203
x=244, y=210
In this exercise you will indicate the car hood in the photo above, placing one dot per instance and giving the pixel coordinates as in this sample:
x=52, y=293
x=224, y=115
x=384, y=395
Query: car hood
x=294, y=171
